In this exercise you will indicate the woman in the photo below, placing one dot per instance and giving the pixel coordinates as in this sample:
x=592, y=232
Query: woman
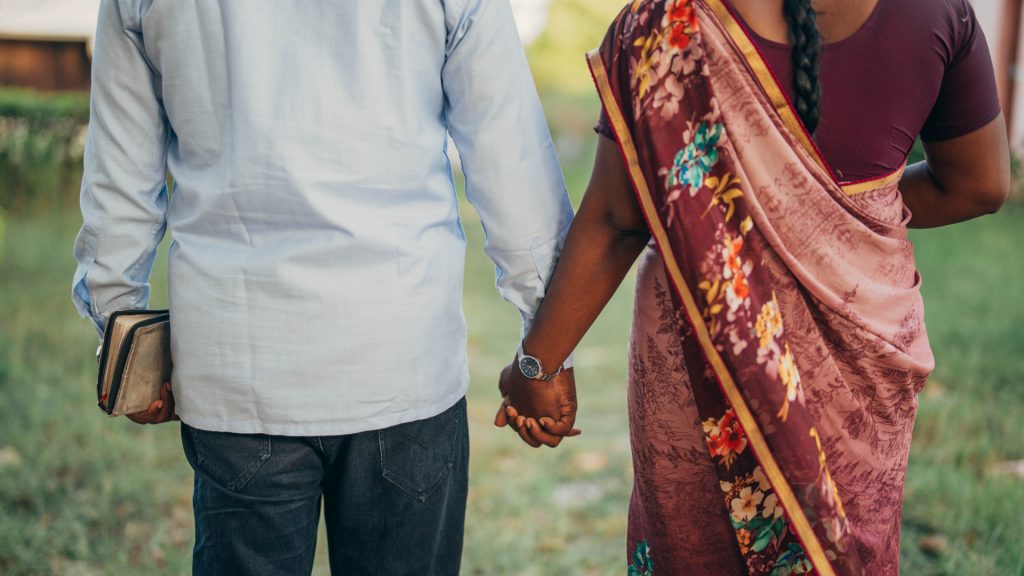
x=778, y=340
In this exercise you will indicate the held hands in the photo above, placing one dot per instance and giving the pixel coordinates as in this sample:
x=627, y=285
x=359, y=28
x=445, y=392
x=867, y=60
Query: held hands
x=159, y=411
x=541, y=412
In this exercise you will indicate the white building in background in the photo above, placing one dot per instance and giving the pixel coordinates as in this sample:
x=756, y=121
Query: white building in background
x=58, y=19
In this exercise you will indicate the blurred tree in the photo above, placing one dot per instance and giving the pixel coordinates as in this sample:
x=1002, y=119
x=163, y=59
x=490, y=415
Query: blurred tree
x=558, y=56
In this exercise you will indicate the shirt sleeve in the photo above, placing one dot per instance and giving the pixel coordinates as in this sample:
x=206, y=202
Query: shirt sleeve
x=512, y=174
x=124, y=189
x=968, y=98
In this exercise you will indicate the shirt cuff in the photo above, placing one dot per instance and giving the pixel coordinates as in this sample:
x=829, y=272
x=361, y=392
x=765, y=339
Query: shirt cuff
x=80, y=296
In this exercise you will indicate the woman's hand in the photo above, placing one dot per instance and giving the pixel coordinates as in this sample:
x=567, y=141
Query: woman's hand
x=541, y=412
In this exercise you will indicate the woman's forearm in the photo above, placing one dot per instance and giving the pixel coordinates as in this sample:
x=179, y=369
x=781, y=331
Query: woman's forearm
x=932, y=206
x=595, y=260
x=963, y=178
x=608, y=234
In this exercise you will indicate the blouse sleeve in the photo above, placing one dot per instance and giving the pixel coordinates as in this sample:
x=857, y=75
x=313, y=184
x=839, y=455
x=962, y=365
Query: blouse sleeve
x=968, y=99
x=603, y=126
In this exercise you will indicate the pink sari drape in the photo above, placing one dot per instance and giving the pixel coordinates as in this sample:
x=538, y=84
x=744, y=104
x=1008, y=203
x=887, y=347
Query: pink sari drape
x=789, y=311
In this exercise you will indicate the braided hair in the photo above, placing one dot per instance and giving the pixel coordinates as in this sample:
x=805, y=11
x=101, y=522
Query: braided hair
x=803, y=26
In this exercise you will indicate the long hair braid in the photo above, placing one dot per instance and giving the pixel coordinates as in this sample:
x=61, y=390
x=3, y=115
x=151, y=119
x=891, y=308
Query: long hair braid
x=803, y=26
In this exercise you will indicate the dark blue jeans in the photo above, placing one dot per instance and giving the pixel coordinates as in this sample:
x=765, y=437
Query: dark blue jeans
x=394, y=500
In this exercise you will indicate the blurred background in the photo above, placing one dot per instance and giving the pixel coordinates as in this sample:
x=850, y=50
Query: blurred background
x=81, y=494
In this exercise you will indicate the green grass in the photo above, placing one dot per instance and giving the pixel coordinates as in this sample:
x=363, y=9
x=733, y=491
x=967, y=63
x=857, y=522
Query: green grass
x=971, y=411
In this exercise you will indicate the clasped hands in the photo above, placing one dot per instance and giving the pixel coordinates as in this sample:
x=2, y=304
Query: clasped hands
x=542, y=413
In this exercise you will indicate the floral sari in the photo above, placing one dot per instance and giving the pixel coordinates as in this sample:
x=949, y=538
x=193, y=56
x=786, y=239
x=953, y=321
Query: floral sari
x=778, y=341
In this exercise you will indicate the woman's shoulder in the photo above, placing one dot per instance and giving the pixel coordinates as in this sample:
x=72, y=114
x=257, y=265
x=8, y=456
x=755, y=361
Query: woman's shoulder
x=930, y=16
x=949, y=27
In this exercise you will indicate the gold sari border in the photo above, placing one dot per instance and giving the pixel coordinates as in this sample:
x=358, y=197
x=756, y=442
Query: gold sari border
x=799, y=521
x=852, y=188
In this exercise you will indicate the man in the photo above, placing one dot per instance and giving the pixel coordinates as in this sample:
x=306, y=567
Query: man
x=315, y=277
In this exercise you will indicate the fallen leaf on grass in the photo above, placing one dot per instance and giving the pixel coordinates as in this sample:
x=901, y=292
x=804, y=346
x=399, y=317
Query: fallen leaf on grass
x=180, y=530
x=934, y=545
x=934, y=389
x=9, y=457
x=577, y=494
x=61, y=565
x=1013, y=468
x=590, y=461
x=551, y=546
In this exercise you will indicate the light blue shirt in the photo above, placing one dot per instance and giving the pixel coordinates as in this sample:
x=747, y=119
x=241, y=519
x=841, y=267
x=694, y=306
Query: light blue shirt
x=316, y=274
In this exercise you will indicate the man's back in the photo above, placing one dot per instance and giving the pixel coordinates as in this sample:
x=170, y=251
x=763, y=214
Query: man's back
x=315, y=277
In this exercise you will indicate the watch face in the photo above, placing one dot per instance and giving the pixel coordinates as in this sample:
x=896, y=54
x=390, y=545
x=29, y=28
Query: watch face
x=529, y=366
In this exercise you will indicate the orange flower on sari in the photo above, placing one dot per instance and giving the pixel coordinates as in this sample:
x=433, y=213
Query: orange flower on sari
x=679, y=38
x=680, y=24
x=735, y=272
x=725, y=437
x=738, y=291
x=731, y=255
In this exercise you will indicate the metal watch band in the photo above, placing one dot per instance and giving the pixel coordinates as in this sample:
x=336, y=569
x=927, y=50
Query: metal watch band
x=536, y=369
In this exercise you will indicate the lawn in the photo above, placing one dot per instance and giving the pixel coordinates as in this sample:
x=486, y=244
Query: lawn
x=82, y=494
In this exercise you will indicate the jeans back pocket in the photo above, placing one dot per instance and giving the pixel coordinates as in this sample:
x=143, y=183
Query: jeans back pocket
x=417, y=456
x=230, y=460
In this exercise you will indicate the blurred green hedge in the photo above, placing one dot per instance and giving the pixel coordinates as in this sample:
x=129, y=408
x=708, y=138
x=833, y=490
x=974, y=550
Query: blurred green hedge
x=42, y=137
x=43, y=107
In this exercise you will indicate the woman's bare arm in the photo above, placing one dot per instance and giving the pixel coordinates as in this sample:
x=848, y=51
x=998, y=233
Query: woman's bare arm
x=607, y=235
x=962, y=178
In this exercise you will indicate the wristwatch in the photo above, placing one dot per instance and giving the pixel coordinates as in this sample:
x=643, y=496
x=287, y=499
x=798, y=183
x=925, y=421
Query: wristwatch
x=531, y=367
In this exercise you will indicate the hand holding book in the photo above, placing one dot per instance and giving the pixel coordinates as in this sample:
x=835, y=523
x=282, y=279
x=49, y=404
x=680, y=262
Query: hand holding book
x=159, y=411
x=135, y=366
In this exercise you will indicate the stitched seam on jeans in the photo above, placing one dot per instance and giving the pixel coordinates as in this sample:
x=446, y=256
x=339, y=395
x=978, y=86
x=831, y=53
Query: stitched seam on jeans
x=239, y=481
x=253, y=468
x=424, y=494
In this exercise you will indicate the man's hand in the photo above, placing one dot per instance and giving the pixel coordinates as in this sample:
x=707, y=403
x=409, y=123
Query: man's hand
x=159, y=411
x=541, y=412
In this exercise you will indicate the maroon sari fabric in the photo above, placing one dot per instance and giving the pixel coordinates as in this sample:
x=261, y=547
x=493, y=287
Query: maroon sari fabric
x=778, y=340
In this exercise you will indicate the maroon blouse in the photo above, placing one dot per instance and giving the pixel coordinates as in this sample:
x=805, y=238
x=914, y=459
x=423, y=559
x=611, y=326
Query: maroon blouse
x=916, y=67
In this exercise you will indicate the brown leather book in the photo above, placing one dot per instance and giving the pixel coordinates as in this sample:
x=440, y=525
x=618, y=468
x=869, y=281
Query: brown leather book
x=135, y=360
